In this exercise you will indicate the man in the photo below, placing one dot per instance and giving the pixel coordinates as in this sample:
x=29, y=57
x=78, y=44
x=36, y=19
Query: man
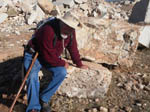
x=49, y=41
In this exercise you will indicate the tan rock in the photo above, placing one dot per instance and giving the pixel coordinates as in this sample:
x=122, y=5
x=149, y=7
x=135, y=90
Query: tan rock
x=46, y=5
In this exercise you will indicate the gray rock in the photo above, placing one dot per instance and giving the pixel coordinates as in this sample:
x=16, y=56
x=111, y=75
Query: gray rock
x=3, y=17
x=144, y=37
x=147, y=17
x=70, y=3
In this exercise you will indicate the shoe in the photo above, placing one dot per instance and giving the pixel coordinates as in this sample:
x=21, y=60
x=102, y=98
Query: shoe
x=34, y=110
x=45, y=107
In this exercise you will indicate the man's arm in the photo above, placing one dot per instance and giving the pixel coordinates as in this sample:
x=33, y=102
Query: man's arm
x=74, y=52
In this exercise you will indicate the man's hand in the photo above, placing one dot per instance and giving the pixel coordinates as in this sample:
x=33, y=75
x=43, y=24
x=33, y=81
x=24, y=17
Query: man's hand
x=66, y=65
x=84, y=67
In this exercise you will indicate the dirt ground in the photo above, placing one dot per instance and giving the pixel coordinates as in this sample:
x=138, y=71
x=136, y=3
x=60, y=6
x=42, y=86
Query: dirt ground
x=129, y=90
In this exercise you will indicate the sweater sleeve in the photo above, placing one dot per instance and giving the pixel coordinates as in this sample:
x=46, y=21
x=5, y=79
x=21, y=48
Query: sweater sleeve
x=74, y=52
x=46, y=48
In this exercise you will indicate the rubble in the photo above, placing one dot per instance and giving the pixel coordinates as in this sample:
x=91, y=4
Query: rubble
x=104, y=35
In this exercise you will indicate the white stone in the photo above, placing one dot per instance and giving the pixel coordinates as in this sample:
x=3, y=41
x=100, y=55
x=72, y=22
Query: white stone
x=28, y=5
x=78, y=1
x=84, y=6
x=144, y=37
x=103, y=109
x=40, y=14
x=17, y=32
x=84, y=1
x=3, y=4
x=66, y=2
x=147, y=18
x=3, y=17
x=94, y=110
x=46, y=5
x=102, y=8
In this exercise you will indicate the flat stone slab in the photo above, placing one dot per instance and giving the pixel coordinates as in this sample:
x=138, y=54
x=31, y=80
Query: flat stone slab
x=82, y=83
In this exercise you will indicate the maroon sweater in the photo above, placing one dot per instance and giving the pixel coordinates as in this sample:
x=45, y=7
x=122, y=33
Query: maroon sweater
x=50, y=53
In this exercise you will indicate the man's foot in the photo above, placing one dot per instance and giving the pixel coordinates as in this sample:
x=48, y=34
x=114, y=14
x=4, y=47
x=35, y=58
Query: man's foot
x=45, y=107
x=34, y=110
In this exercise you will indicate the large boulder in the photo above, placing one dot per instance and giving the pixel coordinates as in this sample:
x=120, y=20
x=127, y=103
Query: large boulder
x=106, y=40
x=81, y=83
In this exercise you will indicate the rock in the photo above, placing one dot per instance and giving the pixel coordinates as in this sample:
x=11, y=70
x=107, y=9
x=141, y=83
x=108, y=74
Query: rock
x=144, y=36
x=147, y=17
x=87, y=83
x=4, y=96
x=4, y=108
x=12, y=12
x=46, y=5
x=112, y=110
x=70, y=3
x=129, y=85
x=84, y=6
x=2, y=4
x=32, y=17
x=128, y=109
x=97, y=100
x=103, y=109
x=3, y=17
x=94, y=110
x=104, y=41
x=28, y=6
x=25, y=97
x=30, y=9
x=78, y=1
x=40, y=14
x=102, y=10
x=17, y=32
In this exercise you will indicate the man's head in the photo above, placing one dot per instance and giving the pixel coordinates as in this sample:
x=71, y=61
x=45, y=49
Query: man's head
x=68, y=23
x=65, y=30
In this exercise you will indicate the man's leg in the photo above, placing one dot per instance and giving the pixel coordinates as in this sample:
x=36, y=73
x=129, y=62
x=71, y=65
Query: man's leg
x=59, y=74
x=32, y=82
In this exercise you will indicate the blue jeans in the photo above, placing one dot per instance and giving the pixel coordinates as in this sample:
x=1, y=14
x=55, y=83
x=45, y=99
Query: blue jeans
x=33, y=85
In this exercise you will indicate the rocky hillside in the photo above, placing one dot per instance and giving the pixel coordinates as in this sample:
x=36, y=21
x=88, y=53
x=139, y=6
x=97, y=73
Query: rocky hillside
x=107, y=41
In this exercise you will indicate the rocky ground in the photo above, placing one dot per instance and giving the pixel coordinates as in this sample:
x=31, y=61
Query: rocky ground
x=128, y=92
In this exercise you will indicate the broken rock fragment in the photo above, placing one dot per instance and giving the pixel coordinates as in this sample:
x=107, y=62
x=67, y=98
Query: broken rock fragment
x=46, y=5
x=3, y=17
